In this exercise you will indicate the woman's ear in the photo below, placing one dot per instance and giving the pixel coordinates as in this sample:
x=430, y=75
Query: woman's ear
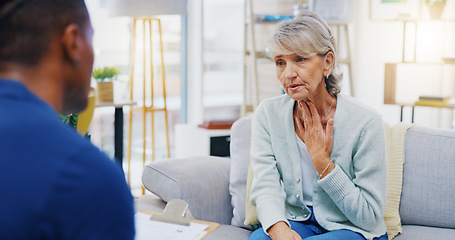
x=329, y=61
x=71, y=44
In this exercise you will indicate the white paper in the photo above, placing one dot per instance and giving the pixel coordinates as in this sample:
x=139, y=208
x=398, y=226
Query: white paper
x=155, y=230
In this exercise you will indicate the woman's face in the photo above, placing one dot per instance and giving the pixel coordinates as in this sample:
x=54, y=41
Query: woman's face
x=301, y=77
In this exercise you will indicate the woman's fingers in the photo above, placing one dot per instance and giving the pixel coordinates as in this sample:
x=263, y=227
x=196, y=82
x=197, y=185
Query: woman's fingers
x=307, y=119
x=318, y=140
x=310, y=114
x=314, y=112
x=298, y=124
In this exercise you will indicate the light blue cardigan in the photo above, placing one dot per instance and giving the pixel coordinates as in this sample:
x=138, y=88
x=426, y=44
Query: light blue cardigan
x=352, y=196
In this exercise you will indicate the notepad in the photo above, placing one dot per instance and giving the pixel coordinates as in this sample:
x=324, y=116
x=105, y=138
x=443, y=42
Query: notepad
x=148, y=230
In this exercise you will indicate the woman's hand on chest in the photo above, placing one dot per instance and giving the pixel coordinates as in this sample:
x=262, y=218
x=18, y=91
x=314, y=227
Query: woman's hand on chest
x=317, y=138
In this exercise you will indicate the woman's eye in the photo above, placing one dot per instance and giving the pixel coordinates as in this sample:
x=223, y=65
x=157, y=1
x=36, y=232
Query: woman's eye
x=279, y=63
x=300, y=59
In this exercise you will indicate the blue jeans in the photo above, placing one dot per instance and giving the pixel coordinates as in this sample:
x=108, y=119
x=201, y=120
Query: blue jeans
x=311, y=230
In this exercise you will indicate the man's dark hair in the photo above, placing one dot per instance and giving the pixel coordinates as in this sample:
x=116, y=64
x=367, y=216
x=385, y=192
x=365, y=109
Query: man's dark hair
x=28, y=26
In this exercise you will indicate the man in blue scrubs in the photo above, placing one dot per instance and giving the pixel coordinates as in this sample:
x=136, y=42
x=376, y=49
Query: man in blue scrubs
x=54, y=184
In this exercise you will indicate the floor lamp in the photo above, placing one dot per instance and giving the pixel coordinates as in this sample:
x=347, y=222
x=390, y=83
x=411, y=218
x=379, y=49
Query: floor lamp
x=142, y=11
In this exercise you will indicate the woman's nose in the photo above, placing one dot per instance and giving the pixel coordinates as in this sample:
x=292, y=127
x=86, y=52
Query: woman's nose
x=290, y=71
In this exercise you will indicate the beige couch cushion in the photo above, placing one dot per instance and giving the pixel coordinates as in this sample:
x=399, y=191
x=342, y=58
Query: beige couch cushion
x=395, y=140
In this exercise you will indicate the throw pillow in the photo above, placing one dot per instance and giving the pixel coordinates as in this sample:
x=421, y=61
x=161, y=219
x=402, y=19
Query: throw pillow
x=395, y=144
x=250, y=211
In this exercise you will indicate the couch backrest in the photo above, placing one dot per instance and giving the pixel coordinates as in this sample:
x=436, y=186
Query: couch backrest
x=428, y=195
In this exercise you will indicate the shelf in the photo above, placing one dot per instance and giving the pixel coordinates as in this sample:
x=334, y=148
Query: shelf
x=258, y=54
x=435, y=104
x=425, y=63
x=271, y=18
x=449, y=59
x=403, y=74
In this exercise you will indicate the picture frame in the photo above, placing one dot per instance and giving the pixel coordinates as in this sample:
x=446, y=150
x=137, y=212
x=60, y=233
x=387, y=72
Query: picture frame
x=395, y=9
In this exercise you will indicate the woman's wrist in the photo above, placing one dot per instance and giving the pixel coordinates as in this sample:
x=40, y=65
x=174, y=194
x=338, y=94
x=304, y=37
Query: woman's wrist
x=330, y=166
x=276, y=228
x=325, y=169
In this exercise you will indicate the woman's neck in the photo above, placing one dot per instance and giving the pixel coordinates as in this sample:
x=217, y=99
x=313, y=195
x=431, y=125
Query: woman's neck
x=324, y=103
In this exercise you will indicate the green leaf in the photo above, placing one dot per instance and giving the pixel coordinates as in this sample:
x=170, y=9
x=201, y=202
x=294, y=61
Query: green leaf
x=70, y=119
x=105, y=74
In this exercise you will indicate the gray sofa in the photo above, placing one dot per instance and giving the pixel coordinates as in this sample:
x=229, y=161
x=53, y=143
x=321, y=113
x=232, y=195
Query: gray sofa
x=214, y=187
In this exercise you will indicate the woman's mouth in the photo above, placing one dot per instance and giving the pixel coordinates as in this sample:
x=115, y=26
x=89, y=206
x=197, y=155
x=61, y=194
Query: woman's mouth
x=294, y=87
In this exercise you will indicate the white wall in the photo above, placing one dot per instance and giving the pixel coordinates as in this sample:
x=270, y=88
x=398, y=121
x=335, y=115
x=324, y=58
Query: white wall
x=376, y=42
x=373, y=44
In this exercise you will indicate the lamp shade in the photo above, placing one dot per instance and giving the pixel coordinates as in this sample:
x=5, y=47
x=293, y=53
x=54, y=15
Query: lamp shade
x=146, y=8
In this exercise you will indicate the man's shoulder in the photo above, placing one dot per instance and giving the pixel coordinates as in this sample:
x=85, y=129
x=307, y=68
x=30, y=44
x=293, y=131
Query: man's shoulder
x=67, y=176
x=94, y=188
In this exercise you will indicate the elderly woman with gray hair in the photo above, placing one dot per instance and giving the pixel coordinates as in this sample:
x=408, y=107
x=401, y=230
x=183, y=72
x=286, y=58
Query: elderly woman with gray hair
x=318, y=156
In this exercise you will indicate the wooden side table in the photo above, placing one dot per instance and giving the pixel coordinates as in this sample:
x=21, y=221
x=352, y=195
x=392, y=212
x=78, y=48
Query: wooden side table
x=118, y=125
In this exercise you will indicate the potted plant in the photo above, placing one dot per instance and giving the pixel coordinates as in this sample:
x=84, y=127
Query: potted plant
x=435, y=8
x=70, y=119
x=104, y=83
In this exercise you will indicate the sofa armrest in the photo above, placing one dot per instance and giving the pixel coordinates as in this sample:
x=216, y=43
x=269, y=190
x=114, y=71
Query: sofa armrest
x=203, y=182
x=149, y=202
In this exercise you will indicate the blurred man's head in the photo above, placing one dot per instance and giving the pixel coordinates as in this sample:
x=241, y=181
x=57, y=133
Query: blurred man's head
x=34, y=32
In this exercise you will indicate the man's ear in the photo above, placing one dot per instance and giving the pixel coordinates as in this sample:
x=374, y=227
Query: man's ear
x=71, y=41
x=329, y=61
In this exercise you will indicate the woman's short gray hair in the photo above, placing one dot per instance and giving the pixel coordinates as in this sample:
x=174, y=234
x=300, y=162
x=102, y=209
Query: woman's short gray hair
x=307, y=35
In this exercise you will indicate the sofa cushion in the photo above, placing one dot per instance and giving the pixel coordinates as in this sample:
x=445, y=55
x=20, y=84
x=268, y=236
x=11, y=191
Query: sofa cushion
x=412, y=232
x=240, y=155
x=203, y=182
x=228, y=232
x=428, y=196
